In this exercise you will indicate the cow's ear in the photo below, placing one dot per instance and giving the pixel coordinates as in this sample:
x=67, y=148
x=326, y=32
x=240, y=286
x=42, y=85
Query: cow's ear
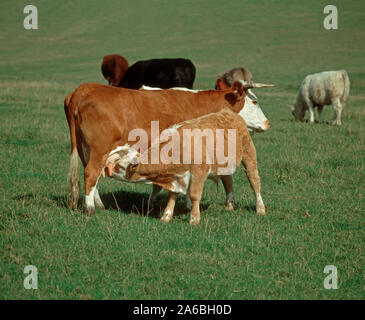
x=238, y=90
x=220, y=85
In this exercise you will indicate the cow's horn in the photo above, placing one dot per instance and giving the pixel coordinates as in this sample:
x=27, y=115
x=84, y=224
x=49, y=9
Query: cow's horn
x=262, y=85
x=248, y=86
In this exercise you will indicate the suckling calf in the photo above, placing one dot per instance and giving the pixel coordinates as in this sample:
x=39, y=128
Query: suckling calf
x=187, y=159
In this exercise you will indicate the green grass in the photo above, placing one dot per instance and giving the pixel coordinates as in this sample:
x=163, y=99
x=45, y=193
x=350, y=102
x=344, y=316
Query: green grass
x=312, y=175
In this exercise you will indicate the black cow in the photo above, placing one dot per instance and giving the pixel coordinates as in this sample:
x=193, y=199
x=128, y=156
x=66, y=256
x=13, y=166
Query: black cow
x=161, y=73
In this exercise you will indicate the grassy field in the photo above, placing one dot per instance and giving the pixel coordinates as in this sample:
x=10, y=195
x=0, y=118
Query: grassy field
x=312, y=175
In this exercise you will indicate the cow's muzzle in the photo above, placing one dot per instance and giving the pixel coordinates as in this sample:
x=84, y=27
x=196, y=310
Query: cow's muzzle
x=264, y=127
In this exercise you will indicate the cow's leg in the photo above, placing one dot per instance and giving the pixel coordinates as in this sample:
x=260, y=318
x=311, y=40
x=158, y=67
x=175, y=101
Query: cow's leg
x=311, y=112
x=228, y=187
x=188, y=203
x=151, y=199
x=320, y=113
x=250, y=164
x=337, y=106
x=98, y=203
x=91, y=176
x=169, y=210
x=196, y=190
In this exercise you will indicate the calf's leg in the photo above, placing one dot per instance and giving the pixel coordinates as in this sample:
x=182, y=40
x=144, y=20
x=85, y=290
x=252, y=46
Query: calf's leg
x=169, y=210
x=196, y=190
x=188, y=204
x=151, y=200
x=228, y=187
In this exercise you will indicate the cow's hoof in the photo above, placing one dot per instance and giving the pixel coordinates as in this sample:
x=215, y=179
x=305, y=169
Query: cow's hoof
x=167, y=216
x=229, y=206
x=90, y=211
x=99, y=205
x=72, y=203
x=165, y=219
x=194, y=221
x=260, y=211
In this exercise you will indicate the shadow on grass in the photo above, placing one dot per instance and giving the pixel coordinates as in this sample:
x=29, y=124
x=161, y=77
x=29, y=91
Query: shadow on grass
x=250, y=209
x=24, y=197
x=133, y=202
x=328, y=123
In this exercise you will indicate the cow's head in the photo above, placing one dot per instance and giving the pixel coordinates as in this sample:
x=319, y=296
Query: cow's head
x=251, y=111
x=298, y=113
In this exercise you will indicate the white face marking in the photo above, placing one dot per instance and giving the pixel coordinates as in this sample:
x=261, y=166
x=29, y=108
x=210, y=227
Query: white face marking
x=125, y=147
x=252, y=113
x=123, y=155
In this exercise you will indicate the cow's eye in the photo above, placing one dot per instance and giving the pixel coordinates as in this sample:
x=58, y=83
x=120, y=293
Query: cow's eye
x=254, y=101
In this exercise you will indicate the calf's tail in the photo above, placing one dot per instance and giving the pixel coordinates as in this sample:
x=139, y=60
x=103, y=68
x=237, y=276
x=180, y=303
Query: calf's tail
x=73, y=175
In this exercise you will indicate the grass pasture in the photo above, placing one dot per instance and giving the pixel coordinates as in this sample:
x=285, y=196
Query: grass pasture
x=312, y=175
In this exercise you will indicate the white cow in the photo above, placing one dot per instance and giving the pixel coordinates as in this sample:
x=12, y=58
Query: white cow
x=319, y=89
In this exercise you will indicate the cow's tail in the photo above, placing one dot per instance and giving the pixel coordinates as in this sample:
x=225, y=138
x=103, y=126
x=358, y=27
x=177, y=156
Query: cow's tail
x=73, y=175
x=346, y=85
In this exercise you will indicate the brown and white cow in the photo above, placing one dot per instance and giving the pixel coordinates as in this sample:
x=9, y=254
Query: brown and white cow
x=225, y=132
x=101, y=118
x=114, y=68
